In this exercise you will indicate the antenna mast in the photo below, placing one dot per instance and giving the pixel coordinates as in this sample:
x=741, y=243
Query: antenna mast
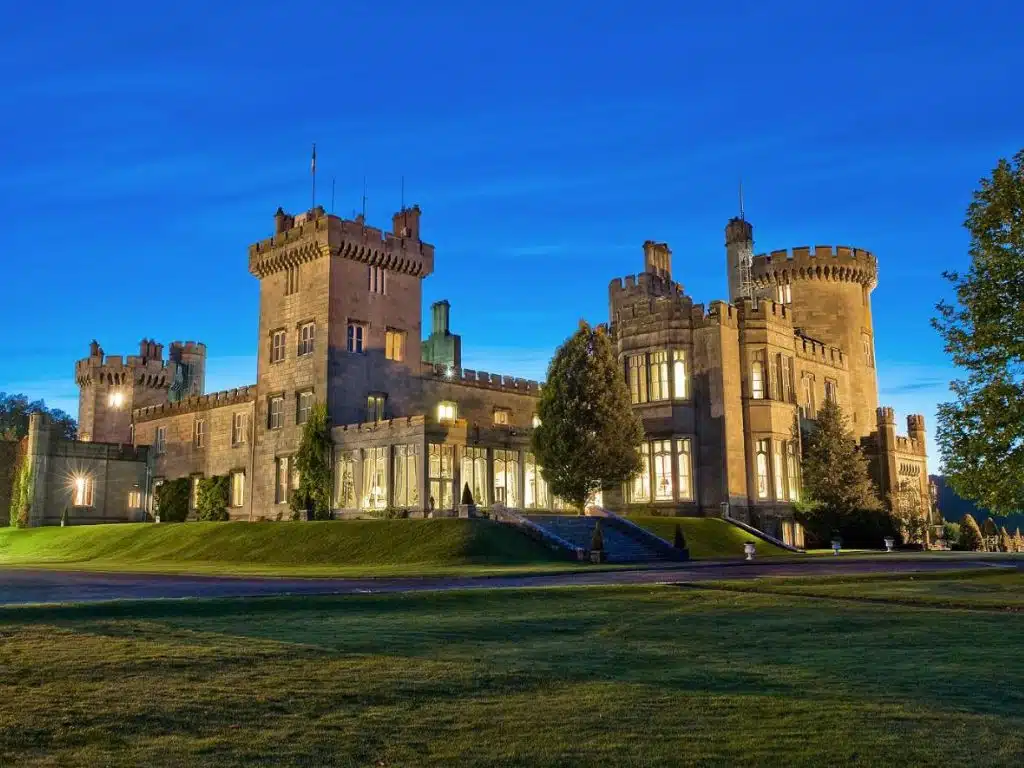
x=745, y=260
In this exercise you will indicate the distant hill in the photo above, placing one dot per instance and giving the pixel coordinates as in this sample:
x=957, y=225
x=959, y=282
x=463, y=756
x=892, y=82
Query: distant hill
x=953, y=507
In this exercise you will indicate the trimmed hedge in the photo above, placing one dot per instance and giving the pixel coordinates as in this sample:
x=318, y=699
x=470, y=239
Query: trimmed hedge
x=172, y=500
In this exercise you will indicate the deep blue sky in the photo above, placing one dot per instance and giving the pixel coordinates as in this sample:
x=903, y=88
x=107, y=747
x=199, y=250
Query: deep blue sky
x=144, y=148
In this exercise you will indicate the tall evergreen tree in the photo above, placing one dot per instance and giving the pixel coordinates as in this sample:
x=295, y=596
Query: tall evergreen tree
x=1005, y=540
x=588, y=435
x=970, y=535
x=313, y=462
x=981, y=433
x=835, y=471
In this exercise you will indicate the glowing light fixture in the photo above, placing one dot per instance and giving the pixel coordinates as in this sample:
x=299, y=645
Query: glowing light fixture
x=450, y=373
x=116, y=399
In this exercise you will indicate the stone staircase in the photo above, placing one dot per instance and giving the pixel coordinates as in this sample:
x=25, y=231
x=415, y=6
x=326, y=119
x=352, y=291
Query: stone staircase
x=618, y=546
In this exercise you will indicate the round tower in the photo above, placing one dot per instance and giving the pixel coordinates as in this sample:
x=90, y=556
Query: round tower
x=110, y=387
x=828, y=290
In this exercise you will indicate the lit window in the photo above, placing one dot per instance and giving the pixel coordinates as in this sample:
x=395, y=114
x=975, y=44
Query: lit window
x=116, y=400
x=640, y=488
x=787, y=379
x=780, y=477
x=441, y=468
x=83, y=491
x=356, y=332
x=446, y=410
x=659, y=375
x=134, y=499
x=378, y=280
x=277, y=342
x=303, y=406
x=307, y=335
x=784, y=294
x=761, y=462
x=757, y=380
x=662, y=470
x=281, y=480
x=345, y=493
x=407, y=464
x=536, y=491
x=239, y=428
x=685, y=469
x=637, y=367
x=237, y=489
x=394, y=345
x=809, y=406
x=193, y=496
x=375, y=479
x=474, y=474
x=275, y=413
x=291, y=281
x=199, y=433
x=502, y=417
x=793, y=468
x=680, y=376
x=536, y=421
x=506, y=477
x=375, y=407
x=161, y=440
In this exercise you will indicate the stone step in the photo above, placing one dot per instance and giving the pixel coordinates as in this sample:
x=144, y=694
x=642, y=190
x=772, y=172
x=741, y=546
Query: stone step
x=578, y=530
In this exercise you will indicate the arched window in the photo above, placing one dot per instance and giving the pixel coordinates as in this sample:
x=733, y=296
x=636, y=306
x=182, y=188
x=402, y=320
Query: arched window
x=761, y=461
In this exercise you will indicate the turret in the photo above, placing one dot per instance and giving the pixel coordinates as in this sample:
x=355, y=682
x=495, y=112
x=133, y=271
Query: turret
x=406, y=223
x=190, y=369
x=739, y=245
x=658, y=259
x=915, y=427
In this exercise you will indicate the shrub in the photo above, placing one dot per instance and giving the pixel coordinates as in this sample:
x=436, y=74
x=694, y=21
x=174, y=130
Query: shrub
x=314, y=466
x=970, y=535
x=467, y=496
x=680, y=539
x=212, y=501
x=172, y=500
x=1005, y=542
x=951, y=534
x=867, y=528
x=597, y=538
x=1018, y=541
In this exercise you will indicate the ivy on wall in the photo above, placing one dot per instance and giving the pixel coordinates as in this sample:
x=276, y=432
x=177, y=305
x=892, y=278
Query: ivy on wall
x=22, y=488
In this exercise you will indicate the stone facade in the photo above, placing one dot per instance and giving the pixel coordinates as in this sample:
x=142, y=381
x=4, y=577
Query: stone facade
x=720, y=389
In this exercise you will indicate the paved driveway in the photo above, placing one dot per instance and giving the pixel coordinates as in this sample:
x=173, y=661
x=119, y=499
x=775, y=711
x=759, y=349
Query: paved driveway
x=21, y=586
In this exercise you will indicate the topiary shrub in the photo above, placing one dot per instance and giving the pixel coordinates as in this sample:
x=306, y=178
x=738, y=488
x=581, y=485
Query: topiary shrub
x=1018, y=541
x=467, y=496
x=680, y=539
x=1005, y=541
x=212, y=498
x=990, y=535
x=597, y=538
x=951, y=534
x=172, y=500
x=970, y=535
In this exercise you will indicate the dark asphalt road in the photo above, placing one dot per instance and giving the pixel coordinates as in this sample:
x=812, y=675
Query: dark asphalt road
x=23, y=586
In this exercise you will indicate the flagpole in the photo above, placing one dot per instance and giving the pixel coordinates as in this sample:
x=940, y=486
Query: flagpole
x=312, y=171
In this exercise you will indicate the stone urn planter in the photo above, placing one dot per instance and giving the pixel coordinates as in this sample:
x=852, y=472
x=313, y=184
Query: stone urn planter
x=890, y=542
x=598, y=556
x=750, y=549
x=836, y=546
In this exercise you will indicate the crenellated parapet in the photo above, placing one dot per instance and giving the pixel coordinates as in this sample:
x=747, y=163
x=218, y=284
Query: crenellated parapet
x=194, y=404
x=481, y=379
x=385, y=426
x=823, y=262
x=118, y=371
x=825, y=354
x=316, y=234
x=763, y=310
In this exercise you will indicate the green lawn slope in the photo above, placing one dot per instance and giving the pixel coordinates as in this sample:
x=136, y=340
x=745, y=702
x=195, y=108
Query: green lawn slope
x=708, y=538
x=312, y=548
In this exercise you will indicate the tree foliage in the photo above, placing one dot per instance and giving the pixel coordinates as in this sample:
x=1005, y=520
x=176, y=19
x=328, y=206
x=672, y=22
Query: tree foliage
x=970, y=535
x=313, y=462
x=981, y=432
x=835, y=472
x=172, y=498
x=22, y=488
x=212, y=498
x=588, y=435
x=14, y=413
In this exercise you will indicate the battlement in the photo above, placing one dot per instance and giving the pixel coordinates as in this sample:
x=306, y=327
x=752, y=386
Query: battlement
x=384, y=425
x=199, y=403
x=179, y=348
x=812, y=349
x=316, y=234
x=718, y=313
x=763, y=309
x=642, y=286
x=117, y=370
x=823, y=262
x=482, y=379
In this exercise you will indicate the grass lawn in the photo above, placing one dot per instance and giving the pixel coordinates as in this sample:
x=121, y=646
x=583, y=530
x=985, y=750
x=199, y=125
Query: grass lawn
x=365, y=547
x=709, y=538
x=552, y=677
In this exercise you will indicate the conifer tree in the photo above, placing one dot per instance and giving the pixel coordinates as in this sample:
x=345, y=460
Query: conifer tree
x=313, y=462
x=588, y=435
x=981, y=433
x=970, y=535
x=835, y=472
x=1005, y=541
x=1018, y=541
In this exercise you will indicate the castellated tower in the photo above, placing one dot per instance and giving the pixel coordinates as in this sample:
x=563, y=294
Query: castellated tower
x=739, y=243
x=827, y=291
x=110, y=387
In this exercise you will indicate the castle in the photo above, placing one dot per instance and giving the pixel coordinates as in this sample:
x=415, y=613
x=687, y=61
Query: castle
x=718, y=388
